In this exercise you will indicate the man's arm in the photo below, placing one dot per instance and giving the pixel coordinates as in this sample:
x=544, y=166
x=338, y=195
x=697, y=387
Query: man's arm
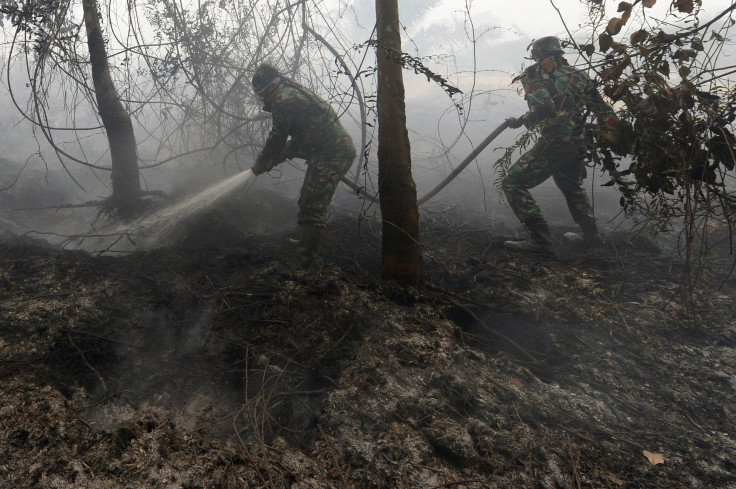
x=540, y=102
x=272, y=152
x=538, y=98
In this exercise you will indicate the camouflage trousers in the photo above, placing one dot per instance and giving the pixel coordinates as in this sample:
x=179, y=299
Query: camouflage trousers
x=320, y=182
x=561, y=160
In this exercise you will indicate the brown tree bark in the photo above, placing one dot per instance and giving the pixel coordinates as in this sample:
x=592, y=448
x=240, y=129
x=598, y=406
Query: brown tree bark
x=118, y=126
x=400, y=249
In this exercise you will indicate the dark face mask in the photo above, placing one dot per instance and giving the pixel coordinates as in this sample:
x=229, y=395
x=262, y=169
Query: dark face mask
x=266, y=107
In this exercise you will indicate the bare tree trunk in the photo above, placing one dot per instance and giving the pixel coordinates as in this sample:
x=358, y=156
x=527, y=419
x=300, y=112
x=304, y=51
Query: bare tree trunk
x=119, y=128
x=400, y=251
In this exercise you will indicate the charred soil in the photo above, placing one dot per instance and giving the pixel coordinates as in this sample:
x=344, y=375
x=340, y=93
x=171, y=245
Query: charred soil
x=214, y=364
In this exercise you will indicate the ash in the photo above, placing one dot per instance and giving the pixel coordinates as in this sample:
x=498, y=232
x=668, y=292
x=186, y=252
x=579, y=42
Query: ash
x=212, y=363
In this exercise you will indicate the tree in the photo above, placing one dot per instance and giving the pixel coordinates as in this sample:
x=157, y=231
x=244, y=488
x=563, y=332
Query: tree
x=118, y=126
x=400, y=251
x=47, y=28
x=677, y=108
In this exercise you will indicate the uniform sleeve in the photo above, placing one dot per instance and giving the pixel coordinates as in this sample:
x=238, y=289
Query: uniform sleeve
x=540, y=102
x=272, y=152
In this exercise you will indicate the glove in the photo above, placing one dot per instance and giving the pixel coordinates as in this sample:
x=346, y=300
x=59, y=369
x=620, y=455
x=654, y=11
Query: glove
x=608, y=130
x=257, y=170
x=515, y=122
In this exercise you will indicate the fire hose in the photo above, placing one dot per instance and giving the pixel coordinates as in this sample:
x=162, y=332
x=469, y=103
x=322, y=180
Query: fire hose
x=374, y=198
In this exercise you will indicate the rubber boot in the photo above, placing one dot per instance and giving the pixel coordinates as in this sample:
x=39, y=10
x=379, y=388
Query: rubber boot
x=306, y=250
x=589, y=239
x=541, y=241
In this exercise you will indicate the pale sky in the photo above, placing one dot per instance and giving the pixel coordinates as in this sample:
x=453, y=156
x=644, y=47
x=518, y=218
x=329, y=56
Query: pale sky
x=503, y=30
x=540, y=17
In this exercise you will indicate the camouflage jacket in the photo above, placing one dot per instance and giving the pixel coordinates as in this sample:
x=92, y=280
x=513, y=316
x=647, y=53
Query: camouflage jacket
x=316, y=132
x=559, y=98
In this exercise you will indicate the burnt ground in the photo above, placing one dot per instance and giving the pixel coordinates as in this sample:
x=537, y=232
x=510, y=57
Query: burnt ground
x=213, y=364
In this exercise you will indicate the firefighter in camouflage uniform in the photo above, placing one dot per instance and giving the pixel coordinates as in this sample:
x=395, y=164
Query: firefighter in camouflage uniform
x=316, y=136
x=559, y=97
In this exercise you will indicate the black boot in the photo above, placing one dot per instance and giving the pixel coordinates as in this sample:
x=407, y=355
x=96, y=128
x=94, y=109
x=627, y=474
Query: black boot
x=306, y=250
x=541, y=241
x=590, y=237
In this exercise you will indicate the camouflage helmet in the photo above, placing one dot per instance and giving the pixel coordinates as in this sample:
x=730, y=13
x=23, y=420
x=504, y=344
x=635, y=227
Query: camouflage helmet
x=263, y=76
x=545, y=47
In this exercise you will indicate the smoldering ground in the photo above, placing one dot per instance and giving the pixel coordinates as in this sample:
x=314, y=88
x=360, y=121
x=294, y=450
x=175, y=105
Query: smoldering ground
x=212, y=363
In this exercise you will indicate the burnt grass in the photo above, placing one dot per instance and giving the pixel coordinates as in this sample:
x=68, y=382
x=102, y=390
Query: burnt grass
x=214, y=364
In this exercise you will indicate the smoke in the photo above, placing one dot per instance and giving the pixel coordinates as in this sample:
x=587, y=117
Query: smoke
x=163, y=226
x=172, y=365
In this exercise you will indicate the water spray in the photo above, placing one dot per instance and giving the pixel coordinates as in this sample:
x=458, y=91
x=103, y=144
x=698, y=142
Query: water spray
x=160, y=227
